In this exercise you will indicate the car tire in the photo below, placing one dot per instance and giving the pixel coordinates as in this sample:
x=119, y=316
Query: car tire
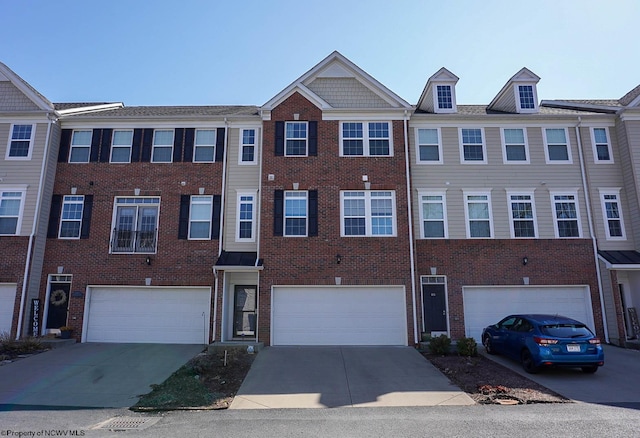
x=590, y=369
x=488, y=345
x=527, y=362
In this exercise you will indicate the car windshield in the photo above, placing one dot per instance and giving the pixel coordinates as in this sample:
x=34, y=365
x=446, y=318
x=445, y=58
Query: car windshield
x=566, y=330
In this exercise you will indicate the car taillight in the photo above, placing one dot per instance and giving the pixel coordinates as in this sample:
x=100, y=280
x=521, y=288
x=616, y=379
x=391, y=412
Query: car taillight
x=544, y=341
x=594, y=341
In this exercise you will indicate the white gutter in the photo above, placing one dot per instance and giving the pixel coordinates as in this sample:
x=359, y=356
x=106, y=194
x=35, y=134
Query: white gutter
x=27, y=264
x=410, y=222
x=591, y=229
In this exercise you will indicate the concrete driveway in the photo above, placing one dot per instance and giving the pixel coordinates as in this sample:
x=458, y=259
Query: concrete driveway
x=89, y=375
x=321, y=377
x=615, y=384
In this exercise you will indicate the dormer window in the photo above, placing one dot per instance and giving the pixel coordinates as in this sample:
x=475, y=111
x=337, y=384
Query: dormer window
x=445, y=100
x=527, y=99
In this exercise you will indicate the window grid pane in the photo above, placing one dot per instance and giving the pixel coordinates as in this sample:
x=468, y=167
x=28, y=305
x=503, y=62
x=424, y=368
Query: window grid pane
x=204, y=150
x=433, y=216
x=9, y=211
x=248, y=145
x=526, y=97
x=200, y=217
x=296, y=138
x=472, y=145
x=20, y=141
x=295, y=214
x=445, y=100
x=566, y=216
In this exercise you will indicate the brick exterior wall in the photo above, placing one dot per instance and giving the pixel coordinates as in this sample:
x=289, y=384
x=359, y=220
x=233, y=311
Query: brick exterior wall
x=14, y=251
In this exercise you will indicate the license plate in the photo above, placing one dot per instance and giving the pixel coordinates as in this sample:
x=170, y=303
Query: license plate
x=573, y=348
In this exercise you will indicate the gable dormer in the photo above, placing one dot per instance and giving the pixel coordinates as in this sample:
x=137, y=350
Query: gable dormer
x=439, y=95
x=519, y=95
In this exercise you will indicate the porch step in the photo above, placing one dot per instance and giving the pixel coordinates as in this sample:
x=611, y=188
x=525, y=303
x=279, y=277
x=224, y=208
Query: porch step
x=235, y=345
x=56, y=342
x=634, y=344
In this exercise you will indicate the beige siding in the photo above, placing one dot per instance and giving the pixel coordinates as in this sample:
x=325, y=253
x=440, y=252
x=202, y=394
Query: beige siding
x=346, y=93
x=12, y=99
x=609, y=305
x=428, y=101
x=507, y=101
x=628, y=135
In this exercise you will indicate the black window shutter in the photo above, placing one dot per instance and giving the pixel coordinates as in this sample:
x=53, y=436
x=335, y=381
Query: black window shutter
x=313, y=213
x=279, y=139
x=215, y=217
x=65, y=145
x=178, y=140
x=313, y=138
x=220, y=144
x=278, y=212
x=86, y=216
x=189, y=136
x=183, y=224
x=136, y=145
x=105, y=147
x=147, y=142
x=54, y=216
x=95, y=145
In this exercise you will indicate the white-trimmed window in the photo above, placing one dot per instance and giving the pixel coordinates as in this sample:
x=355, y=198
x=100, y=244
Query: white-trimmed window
x=296, y=138
x=566, y=214
x=433, y=215
x=121, y=146
x=368, y=213
x=162, y=151
x=135, y=225
x=71, y=217
x=478, y=215
x=11, y=206
x=522, y=214
x=246, y=212
x=515, y=148
x=557, y=148
x=444, y=97
x=612, y=214
x=295, y=213
x=429, y=141
x=472, y=148
x=601, y=145
x=248, y=147
x=366, y=139
x=20, y=143
x=204, y=146
x=526, y=98
x=200, y=214
x=80, y=146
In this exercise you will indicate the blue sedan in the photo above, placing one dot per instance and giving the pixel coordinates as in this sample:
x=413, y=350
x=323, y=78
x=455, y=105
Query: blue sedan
x=543, y=341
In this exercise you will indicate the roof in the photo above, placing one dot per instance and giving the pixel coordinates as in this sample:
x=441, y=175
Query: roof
x=627, y=258
x=238, y=258
x=482, y=110
x=174, y=111
x=26, y=88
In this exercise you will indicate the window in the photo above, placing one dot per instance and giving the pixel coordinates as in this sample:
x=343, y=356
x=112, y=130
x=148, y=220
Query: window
x=429, y=146
x=472, y=146
x=522, y=214
x=200, y=215
x=204, y=148
x=612, y=214
x=366, y=139
x=601, y=145
x=71, y=218
x=557, y=147
x=527, y=99
x=515, y=148
x=121, y=146
x=135, y=225
x=478, y=215
x=80, y=146
x=295, y=138
x=445, y=98
x=368, y=213
x=248, y=146
x=20, y=142
x=10, y=211
x=566, y=215
x=246, y=217
x=433, y=215
x=162, y=151
x=295, y=213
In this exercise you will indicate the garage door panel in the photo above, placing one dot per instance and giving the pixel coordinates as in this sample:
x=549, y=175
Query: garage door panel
x=7, y=302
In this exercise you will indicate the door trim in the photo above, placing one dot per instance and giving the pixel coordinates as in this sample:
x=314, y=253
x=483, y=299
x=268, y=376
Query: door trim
x=435, y=279
x=255, y=311
x=54, y=278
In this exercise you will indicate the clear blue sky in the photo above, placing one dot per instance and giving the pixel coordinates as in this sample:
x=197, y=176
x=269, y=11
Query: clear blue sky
x=215, y=52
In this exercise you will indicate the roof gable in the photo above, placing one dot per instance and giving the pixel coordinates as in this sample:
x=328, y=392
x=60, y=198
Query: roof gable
x=7, y=75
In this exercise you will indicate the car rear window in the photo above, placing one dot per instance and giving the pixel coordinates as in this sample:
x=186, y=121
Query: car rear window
x=566, y=331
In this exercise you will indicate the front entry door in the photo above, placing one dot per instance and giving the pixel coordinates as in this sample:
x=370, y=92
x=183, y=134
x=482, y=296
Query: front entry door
x=435, y=308
x=244, y=313
x=58, y=305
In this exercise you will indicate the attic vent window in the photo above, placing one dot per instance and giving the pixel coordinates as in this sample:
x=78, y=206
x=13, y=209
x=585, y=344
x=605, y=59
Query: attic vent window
x=445, y=101
x=526, y=97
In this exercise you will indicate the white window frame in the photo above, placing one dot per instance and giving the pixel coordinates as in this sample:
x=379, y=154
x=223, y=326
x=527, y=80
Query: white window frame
x=505, y=158
x=467, y=201
x=368, y=218
x=484, y=146
x=295, y=194
x=200, y=200
x=80, y=146
x=443, y=201
x=243, y=144
x=253, y=203
x=612, y=192
x=569, y=159
x=595, y=145
x=154, y=147
x=23, y=196
x=366, y=137
x=306, y=138
x=196, y=145
x=138, y=202
x=436, y=104
x=71, y=200
x=534, y=219
x=418, y=144
x=130, y=146
x=11, y=139
x=556, y=221
x=519, y=99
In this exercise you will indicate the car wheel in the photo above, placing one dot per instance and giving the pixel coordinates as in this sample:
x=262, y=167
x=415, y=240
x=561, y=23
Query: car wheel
x=590, y=369
x=527, y=362
x=488, y=346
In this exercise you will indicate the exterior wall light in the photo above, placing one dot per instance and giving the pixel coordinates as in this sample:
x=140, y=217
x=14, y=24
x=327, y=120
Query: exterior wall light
x=525, y=260
x=338, y=259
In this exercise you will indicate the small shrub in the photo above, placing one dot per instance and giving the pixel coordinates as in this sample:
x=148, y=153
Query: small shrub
x=440, y=345
x=12, y=347
x=467, y=347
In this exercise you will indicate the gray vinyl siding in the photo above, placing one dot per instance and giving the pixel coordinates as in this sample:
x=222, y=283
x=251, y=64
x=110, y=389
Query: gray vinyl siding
x=428, y=104
x=346, y=93
x=609, y=304
x=628, y=165
x=12, y=99
x=506, y=102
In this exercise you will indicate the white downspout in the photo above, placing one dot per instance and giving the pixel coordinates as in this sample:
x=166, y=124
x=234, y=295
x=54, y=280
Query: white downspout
x=27, y=265
x=410, y=222
x=591, y=229
x=258, y=218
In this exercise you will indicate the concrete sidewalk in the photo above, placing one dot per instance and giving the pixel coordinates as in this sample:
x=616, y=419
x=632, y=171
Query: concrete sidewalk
x=321, y=377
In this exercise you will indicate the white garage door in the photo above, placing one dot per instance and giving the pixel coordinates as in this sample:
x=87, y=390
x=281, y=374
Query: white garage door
x=7, y=301
x=157, y=315
x=486, y=305
x=338, y=315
